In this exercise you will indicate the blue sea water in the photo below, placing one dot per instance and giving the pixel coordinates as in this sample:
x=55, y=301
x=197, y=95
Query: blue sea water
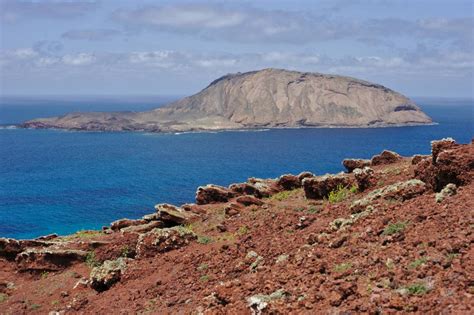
x=60, y=181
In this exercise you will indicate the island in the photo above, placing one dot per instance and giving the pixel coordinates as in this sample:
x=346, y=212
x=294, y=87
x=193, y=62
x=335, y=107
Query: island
x=268, y=98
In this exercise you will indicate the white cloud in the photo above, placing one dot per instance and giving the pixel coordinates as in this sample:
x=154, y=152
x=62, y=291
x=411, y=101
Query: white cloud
x=78, y=59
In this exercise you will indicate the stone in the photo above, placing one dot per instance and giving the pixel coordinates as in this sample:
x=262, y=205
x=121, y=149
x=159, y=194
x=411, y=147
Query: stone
x=259, y=302
x=417, y=158
x=213, y=194
x=232, y=209
x=173, y=215
x=123, y=223
x=437, y=146
x=47, y=237
x=386, y=157
x=288, y=182
x=304, y=175
x=155, y=216
x=40, y=259
x=365, y=178
x=163, y=240
x=107, y=274
x=352, y=164
x=10, y=248
x=447, y=191
x=143, y=228
x=320, y=187
x=453, y=165
x=249, y=200
x=246, y=189
x=267, y=187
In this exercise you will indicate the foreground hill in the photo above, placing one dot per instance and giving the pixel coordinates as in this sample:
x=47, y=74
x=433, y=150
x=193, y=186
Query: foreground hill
x=393, y=235
x=268, y=98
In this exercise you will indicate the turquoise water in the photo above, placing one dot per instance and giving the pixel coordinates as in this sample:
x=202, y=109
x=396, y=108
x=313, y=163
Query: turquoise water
x=60, y=181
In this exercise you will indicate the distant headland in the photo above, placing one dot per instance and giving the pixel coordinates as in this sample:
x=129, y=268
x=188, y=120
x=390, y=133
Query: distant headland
x=269, y=98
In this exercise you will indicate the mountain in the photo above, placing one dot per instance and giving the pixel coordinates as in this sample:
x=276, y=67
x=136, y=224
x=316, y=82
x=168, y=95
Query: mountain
x=270, y=98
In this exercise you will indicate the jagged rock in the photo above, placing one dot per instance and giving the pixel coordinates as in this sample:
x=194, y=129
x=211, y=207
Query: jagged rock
x=454, y=165
x=246, y=189
x=151, y=217
x=259, y=302
x=47, y=237
x=213, y=194
x=417, y=158
x=173, y=215
x=364, y=177
x=249, y=200
x=48, y=259
x=304, y=175
x=352, y=164
x=193, y=208
x=143, y=228
x=400, y=191
x=448, y=190
x=437, y=146
x=110, y=272
x=232, y=209
x=123, y=223
x=10, y=248
x=163, y=240
x=320, y=187
x=386, y=157
x=267, y=187
x=289, y=182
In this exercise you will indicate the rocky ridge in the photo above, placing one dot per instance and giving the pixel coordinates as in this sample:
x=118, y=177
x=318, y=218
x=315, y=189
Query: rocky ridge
x=393, y=236
x=269, y=98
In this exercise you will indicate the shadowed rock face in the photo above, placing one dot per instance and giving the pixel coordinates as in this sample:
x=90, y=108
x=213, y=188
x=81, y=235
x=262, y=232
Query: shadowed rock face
x=268, y=98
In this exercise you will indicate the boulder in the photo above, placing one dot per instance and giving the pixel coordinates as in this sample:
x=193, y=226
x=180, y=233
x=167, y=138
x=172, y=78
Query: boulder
x=143, y=228
x=246, y=189
x=437, y=146
x=454, y=165
x=172, y=215
x=213, y=194
x=320, y=187
x=163, y=240
x=123, y=223
x=10, y=248
x=232, y=209
x=304, y=175
x=352, y=164
x=386, y=157
x=47, y=237
x=365, y=178
x=110, y=272
x=447, y=191
x=267, y=187
x=288, y=182
x=249, y=200
x=417, y=158
x=193, y=208
x=155, y=216
x=39, y=259
x=400, y=191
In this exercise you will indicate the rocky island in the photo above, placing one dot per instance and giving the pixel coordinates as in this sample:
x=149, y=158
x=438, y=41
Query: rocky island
x=269, y=98
x=393, y=234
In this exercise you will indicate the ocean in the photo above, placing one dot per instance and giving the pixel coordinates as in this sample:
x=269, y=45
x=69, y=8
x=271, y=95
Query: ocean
x=61, y=181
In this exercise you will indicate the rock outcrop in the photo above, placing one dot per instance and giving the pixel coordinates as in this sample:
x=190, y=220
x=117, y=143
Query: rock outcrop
x=269, y=98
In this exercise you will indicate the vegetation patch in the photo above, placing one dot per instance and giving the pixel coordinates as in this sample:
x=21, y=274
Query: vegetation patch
x=394, y=228
x=202, y=267
x=91, y=261
x=243, y=230
x=417, y=289
x=342, y=267
x=282, y=195
x=203, y=239
x=341, y=193
x=3, y=297
x=418, y=262
x=204, y=278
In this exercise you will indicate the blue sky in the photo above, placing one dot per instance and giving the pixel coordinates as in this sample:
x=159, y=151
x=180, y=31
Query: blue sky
x=420, y=48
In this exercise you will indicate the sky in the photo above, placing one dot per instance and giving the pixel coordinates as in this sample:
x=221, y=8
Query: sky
x=118, y=47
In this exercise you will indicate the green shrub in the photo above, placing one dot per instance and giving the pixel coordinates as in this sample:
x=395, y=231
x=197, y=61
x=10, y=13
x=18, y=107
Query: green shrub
x=124, y=251
x=203, y=239
x=313, y=210
x=91, y=261
x=202, y=267
x=341, y=193
x=282, y=195
x=243, y=230
x=3, y=297
x=342, y=267
x=417, y=289
x=204, y=278
x=418, y=262
x=394, y=228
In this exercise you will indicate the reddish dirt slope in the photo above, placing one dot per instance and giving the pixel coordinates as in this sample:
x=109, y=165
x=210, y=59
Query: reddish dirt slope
x=401, y=251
